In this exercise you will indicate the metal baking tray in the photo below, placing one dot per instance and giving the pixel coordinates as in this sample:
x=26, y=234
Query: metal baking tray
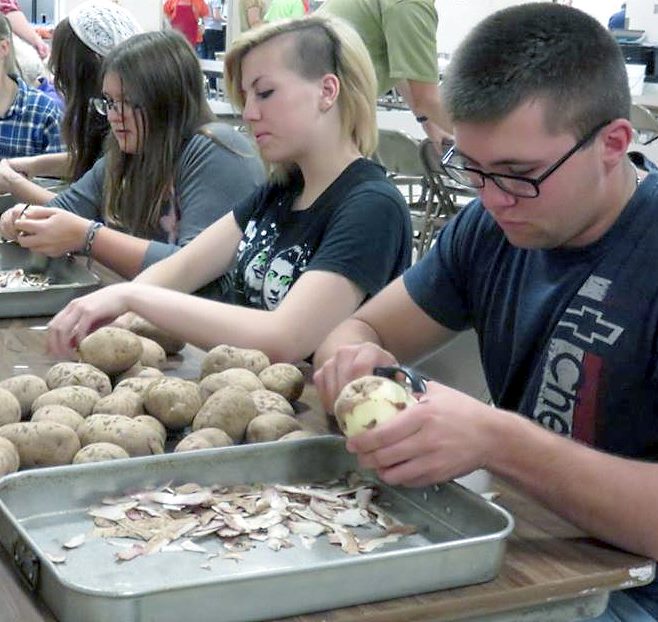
x=69, y=278
x=461, y=540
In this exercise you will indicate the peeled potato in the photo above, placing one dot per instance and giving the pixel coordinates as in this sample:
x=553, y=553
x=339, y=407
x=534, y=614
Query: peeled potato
x=369, y=401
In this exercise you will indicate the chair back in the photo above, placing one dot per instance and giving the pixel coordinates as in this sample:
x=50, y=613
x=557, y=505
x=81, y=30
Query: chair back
x=644, y=124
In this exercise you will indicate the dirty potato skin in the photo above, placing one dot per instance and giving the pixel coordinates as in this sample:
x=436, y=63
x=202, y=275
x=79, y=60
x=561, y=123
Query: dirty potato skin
x=236, y=377
x=138, y=384
x=9, y=459
x=70, y=374
x=144, y=328
x=136, y=437
x=206, y=438
x=155, y=425
x=268, y=401
x=297, y=434
x=229, y=409
x=99, y=452
x=59, y=414
x=111, y=349
x=284, y=379
x=25, y=388
x=271, y=427
x=42, y=443
x=153, y=354
x=10, y=408
x=120, y=402
x=80, y=399
x=173, y=401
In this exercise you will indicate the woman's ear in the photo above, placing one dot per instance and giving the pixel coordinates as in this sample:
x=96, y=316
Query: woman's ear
x=330, y=91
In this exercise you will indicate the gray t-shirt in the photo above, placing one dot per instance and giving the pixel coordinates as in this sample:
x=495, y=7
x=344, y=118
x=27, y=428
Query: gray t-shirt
x=209, y=182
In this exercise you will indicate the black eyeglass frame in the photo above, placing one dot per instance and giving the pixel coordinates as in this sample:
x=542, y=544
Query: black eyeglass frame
x=100, y=103
x=494, y=177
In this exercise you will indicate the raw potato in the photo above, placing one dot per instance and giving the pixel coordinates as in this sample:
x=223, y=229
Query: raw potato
x=155, y=425
x=169, y=343
x=59, y=414
x=42, y=443
x=111, y=349
x=205, y=438
x=229, y=409
x=297, y=434
x=368, y=401
x=224, y=357
x=10, y=408
x=78, y=375
x=9, y=458
x=100, y=452
x=153, y=354
x=284, y=379
x=173, y=401
x=137, y=384
x=255, y=360
x=271, y=427
x=121, y=402
x=235, y=377
x=268, y=401
x=25, y=388
x=136, y=437
x=80, y=399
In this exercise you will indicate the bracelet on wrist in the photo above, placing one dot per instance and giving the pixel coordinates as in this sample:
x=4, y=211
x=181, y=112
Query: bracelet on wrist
x=422, y=118
x=90, y=236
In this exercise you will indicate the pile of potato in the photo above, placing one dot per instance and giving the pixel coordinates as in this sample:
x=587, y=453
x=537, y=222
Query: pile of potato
x=117, y=403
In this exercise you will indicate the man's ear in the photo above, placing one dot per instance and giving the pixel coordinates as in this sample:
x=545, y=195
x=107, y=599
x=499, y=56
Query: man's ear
x=617, y=136
x=330, y=91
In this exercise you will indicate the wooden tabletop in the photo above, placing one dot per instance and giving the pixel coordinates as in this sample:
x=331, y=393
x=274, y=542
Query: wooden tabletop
x=549, y=564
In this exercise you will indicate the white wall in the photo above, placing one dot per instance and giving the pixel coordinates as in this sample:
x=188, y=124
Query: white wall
x=457, y=17
x=147, y=12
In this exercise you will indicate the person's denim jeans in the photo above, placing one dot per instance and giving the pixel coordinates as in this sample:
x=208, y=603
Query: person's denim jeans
x=624, y=608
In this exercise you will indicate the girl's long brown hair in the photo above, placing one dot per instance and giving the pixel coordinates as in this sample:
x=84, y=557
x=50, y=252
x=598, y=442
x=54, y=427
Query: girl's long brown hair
x=77, y=73
x=161, y=77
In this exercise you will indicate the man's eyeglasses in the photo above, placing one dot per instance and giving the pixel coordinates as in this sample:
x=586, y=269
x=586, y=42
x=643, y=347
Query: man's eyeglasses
x=103, y=105
x=456, y=167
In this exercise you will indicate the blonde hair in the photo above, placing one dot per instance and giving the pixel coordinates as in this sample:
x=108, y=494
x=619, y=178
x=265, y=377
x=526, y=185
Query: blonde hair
x=321, y=45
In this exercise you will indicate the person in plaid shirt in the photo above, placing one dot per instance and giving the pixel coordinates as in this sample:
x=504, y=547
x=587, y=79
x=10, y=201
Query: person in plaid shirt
x=29, y=119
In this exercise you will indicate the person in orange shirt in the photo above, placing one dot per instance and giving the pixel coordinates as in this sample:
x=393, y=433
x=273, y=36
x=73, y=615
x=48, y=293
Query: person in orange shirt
x=184, y=16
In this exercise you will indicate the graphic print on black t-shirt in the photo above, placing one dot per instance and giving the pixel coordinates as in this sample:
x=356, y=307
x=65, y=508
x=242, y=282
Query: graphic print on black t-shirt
x=268, y=272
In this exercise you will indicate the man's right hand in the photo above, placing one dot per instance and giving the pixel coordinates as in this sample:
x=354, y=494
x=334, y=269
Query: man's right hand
x=349, y=362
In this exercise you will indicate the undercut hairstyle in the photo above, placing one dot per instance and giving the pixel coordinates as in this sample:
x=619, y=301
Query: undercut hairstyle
x=539, y=52
x=319, y=45
x=76, y=72
x=161, y=78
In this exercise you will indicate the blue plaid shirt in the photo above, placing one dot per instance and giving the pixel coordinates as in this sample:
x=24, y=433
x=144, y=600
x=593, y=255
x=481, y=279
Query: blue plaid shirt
x=30, y=125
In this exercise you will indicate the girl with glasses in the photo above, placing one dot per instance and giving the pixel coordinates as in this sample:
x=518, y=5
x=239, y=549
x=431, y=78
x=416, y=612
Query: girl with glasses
x=29, y=120
x=305, y=250
x=80, y=43
x=160, y=182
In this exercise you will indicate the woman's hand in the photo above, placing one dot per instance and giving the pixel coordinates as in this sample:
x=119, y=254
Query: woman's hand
x=48, y=230
x=349, y=362
x=442, y=437
x=84, y=315
x=8, y=221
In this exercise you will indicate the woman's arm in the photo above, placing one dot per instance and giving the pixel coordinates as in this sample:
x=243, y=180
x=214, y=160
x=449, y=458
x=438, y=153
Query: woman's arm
x=21, y=187
x=45, y=165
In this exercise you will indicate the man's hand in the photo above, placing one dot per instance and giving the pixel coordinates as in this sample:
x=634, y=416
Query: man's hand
x=349, y=362
x=445, y=435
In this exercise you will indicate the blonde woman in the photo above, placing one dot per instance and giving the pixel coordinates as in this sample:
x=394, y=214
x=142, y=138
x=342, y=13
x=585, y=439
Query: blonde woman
x=328, y=231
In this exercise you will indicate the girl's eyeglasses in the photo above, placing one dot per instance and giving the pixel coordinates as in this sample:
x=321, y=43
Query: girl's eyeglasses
x=103, y=105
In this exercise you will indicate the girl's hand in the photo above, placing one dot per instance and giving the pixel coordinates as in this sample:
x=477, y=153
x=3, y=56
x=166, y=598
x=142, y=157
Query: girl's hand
x=51, y=231
x=84, y=315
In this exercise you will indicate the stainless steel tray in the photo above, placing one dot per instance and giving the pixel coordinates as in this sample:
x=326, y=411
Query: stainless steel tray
x=460, y=540
x=69, y=278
